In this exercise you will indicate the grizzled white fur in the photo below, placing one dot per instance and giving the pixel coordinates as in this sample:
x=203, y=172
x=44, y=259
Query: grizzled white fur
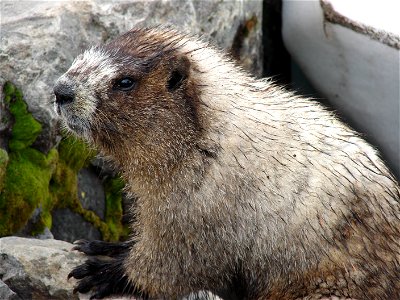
x=92, y=71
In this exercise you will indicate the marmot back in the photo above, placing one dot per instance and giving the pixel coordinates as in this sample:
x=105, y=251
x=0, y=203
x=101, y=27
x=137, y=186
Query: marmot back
x=242, y=186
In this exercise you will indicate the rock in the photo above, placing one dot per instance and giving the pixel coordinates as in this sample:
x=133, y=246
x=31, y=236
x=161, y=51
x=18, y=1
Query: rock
x=70, y=226
x=6, y=293
x=91, y=192
x=30, y=227
x=37, y=269
x=46, y=234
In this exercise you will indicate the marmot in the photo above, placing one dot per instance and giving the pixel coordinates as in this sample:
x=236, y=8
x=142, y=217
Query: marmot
x=241, y=186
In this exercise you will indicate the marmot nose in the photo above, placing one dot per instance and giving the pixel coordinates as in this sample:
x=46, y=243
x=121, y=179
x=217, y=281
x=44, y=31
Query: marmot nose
x=64, y=94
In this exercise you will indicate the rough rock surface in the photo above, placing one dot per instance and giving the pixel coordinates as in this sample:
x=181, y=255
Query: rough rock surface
x=6, y=293
x=39, y=41
x=91, y=192
x=27, y=230
x=70, y=226
x=36, y=269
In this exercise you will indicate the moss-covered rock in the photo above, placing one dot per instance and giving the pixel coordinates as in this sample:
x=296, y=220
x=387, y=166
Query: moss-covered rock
x=26, y=186
x=28, y=171
x=75, y=153
x=73, y=156
x=30, y=179
x=3, y=166
x=113, y=190
x=25, y=128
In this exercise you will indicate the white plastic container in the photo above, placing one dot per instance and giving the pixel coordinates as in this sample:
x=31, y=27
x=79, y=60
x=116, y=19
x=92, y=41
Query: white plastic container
x=349, y=51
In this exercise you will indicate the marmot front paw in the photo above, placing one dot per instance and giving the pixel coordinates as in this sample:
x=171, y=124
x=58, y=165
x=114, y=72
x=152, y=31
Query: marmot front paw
x=104, y=275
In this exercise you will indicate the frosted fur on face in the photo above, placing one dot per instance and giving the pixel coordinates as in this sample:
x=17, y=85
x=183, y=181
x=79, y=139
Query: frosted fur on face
x=89, y=74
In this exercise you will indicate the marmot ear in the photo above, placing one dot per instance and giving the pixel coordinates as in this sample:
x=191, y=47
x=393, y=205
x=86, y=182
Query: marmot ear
x=180, y=67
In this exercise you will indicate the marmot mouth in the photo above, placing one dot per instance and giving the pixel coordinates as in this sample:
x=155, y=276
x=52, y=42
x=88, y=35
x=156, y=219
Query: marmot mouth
x=74, y=123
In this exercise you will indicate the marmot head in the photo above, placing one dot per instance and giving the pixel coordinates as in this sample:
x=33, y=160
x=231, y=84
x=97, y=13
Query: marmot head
x=133, y=97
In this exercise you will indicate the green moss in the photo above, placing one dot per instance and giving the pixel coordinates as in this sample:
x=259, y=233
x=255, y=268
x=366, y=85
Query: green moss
x=65, y=191
x=28, y=171
x=25, y=128
x=91, y=217
x=28, y=175
x=9, y=91
x=3, y=166
x=31, y=179
x=113, y=190
x=64, y=186
x=75, y=153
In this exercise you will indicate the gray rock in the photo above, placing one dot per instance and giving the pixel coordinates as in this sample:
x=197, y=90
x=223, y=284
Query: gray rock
x=103, y=166
x=46, y=234
x=91, y=192
x=27, y=230
x=37, y=269
x=70, y=226
x=217, y=21
x=30, y=225
x=6, y=293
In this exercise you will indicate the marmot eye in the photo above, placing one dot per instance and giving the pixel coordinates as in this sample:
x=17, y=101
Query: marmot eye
x=124, y=84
